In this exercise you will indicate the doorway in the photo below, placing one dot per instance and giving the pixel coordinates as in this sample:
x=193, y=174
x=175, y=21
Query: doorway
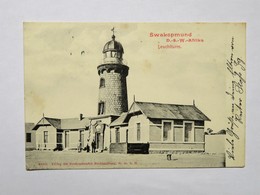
x=99, y=141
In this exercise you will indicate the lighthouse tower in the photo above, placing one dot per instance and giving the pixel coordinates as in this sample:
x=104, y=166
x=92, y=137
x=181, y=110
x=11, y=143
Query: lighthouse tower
x=112, y=99
x=112, y=85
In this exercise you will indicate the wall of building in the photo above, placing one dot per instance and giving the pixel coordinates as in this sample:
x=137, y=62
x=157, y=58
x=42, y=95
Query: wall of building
x=152, y=133
x=176, y=141
x=155, y=133
x=199, y=134
x=132, y=129
x=114, y=93
x=165, y=147
x=122, y=131
x=52, y=138
x=118, y=148
x=73, y=139
x=155, y=126
x=178, y=134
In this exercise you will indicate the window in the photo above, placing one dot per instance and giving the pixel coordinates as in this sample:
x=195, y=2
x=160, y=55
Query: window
x=126, y=139
x=101, y=108
x=117, y=135
x=167, y=127
x=188, y=137
x=138, y=130
x=45, y=136
x=114, y=54
x=28, y=137
x=102, y=83
x=59, y=138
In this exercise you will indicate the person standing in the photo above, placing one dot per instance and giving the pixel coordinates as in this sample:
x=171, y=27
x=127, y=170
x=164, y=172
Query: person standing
x=93, y=145
x=87, y=148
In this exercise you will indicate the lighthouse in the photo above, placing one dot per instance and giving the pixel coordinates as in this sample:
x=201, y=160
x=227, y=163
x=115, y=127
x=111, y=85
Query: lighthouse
x=112, y=98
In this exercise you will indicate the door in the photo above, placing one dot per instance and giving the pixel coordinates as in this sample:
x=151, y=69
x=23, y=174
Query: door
x=59, y=141
x=99, y=141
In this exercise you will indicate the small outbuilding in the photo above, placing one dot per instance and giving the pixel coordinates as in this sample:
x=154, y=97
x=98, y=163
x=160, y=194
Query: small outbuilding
x=61, y=134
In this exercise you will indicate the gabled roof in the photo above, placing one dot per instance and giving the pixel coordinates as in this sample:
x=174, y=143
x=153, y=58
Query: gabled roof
x=170, y=111
x=67, y=123
x=120, y=120
x=74, y=123
x=54, y=122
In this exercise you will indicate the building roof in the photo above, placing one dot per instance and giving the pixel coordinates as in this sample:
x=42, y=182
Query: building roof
x=53, y=121
x=120, y=120
x=67, y=123
x=161, y=111
x=171, y=111
x=104, y=116
x=74, y=123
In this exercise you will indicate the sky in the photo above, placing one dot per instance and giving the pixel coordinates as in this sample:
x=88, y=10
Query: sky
x=62, y=83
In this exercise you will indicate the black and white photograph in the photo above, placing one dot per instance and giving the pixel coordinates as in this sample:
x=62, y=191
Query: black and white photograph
x=134, y=95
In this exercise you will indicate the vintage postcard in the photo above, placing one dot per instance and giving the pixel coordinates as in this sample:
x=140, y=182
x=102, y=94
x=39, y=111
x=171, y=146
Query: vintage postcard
x=134, y=95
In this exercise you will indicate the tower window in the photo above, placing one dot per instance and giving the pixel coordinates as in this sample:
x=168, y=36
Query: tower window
x=102, y=83
x=114, y=54
x=101, y=108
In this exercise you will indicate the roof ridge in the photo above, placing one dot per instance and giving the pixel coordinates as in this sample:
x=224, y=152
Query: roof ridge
x=165, y=103
x=51, y=118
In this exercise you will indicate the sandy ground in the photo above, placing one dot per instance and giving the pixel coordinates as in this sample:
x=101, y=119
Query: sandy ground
x=74, y=160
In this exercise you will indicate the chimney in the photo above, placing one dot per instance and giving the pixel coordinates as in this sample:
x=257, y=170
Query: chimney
x=81, y=117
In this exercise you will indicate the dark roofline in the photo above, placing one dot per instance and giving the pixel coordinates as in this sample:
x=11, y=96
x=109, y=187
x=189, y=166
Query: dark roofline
x=117, y=125
x=103, y=116
x=58, y=119
x=185, y=119
x=37, y=124
x=52, y=118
